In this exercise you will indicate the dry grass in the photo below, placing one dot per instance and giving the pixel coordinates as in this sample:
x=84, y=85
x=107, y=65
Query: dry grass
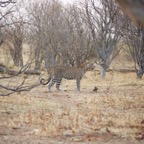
x=117, y=108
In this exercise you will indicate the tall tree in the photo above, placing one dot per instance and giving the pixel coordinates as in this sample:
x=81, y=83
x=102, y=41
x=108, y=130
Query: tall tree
x=45, y=18
x=76, y=40
x=105, y=23
x=12, y=83
x=15, y=38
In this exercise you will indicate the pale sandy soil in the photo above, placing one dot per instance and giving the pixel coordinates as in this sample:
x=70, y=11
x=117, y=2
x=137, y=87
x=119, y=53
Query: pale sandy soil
x=112, y=115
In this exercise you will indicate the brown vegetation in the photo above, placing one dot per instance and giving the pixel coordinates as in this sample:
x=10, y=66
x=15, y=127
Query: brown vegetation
x=115, y=110
x=105, y=111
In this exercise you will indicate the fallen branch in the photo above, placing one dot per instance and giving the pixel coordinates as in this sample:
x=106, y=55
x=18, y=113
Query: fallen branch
x=5, y=70
x=7, y=89
x=18, y=88
x=32, y=72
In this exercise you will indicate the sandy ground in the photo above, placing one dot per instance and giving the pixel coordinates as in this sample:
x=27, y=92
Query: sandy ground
x=112, y=115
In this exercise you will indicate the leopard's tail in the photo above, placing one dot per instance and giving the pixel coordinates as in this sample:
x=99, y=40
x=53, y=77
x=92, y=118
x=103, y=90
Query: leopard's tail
x=45, y=82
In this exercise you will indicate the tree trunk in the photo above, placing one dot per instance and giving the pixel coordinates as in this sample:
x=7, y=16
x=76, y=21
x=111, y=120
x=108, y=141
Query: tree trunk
x=47, y=62
x=50, y=59
x=38, y=58
x=1, y=37
x=140, y=72
x=104, y=64
x=16, y=55
x=103, y=72
x=54, y=58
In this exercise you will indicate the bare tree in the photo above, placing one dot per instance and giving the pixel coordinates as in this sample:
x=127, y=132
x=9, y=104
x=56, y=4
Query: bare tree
x=15, y=38
x=105, y=23
x=12, y=81
x=135, y=39
x=60, y=34
x=141, y=62
x=44, y=30
x=135, y=10
x=76, y=40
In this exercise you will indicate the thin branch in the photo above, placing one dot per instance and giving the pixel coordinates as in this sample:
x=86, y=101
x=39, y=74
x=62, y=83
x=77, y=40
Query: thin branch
x=6, y=3
x=19, y=88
